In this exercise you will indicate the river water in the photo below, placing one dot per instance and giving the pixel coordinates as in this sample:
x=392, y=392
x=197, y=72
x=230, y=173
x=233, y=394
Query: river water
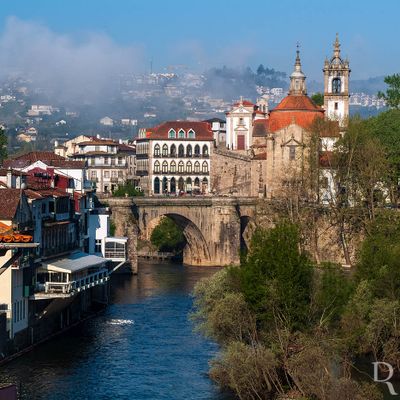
x=142, y=347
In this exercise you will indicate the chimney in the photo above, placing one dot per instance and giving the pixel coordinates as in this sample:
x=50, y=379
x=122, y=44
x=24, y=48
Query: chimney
x=98, y=136
x=9, y=178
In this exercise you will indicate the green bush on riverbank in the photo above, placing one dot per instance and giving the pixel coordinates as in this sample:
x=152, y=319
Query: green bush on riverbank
x=287, y=326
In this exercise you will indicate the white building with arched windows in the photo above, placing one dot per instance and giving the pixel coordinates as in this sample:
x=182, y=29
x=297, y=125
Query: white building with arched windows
x=174, y=158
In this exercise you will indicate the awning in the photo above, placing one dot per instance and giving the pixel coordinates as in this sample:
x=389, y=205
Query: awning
x=76, y=261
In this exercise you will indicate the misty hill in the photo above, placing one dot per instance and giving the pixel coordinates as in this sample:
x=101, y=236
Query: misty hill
x=230, y=83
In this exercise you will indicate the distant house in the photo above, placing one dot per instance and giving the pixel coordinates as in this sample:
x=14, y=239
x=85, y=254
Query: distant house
x=107, y=121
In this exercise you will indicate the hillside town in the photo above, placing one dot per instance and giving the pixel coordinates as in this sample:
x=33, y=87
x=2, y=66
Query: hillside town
x=79, y=212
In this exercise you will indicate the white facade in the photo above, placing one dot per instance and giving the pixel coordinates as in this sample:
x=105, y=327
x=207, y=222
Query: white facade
x=179, y=166
x=239, y=123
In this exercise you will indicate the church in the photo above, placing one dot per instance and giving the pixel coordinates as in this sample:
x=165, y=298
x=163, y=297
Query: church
x=278, y=138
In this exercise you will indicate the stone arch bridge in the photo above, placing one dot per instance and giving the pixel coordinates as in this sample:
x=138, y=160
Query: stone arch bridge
x=214, y=227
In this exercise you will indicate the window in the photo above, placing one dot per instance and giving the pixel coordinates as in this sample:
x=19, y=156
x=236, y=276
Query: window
x=173, y=151
x=106, y=160
x=119, y=160
x=97, y=247
x=93, y=174
x=292, y=153
x=181, y=151
x=336, y=106
x=181, y=134
x=96, y=148
x=113, y=174
x=120, y=174
x=171, y=134
x=180, y=166
x=172, y=167
x=204, y=167
x=157, y=150
x=165, y=166
x=165, y=150
x=336, y=85
x=205, y=150
x=106, y=174
x=197, y=150
x=189, y=151
x=189, y=167
x=44, y=208
x=157, y=166
x=191, y=134
x=196, y=167
x=157, y=186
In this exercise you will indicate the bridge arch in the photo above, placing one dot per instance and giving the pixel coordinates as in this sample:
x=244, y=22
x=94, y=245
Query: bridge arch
x=196, y=251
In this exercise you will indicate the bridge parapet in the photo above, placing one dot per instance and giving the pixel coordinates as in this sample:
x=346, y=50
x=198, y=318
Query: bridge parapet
x=212, y=226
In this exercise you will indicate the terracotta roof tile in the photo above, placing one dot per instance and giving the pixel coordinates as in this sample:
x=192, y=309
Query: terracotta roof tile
x=299, y=103
x=202, y=130
x=9, y=201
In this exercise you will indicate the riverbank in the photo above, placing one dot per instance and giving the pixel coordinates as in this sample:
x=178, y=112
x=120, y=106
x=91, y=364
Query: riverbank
x=142, y=346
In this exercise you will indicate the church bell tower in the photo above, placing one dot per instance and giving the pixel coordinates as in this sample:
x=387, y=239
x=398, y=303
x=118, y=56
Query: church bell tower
x=336, y=86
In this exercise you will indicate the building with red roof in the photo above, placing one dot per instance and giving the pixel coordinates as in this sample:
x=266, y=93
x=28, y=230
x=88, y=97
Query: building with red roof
x=174, y=157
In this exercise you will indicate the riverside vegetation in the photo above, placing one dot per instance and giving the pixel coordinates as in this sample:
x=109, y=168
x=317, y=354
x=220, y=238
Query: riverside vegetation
x=293, y=328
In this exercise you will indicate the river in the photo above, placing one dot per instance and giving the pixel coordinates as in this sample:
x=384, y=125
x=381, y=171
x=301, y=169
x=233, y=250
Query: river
x=142, y=347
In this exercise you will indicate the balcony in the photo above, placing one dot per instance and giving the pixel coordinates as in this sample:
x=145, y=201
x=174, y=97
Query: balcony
x=67, y=289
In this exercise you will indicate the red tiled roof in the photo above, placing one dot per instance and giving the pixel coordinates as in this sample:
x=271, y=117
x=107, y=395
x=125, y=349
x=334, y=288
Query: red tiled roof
x=298, y=103
x=68, y=164
x=9, y=201
x=124, y=147
x=33, y=156
x=202, y=130
x=4, y=171
x=245, y=103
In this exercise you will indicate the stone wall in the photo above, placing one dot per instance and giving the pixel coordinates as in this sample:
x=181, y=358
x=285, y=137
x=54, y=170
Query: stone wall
x=235, y=173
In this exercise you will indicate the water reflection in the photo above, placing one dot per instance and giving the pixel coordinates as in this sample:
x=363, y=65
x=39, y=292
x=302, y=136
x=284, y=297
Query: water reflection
x=141, y=347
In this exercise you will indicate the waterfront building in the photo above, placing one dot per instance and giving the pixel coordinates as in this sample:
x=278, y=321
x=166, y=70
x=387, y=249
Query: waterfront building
x=174, y=158
x=109, y=163
x=16, y=266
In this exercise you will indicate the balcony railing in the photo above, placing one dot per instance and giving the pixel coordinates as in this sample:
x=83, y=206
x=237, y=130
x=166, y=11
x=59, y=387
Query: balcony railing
x=66, y=289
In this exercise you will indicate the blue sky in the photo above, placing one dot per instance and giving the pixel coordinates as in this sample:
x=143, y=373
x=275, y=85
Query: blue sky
x=206, y=33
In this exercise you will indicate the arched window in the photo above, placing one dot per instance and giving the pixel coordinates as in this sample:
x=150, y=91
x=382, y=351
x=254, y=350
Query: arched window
x=171, y=134
x=204, y=185
x=181, y=151
x=189, y=167
x=336, y=85
x=165, y=185
x=205, y=150
x=197, y=150
x=157, y=186
x=189, y=151
x=157, y=150
x=204, y=167
x=172, y=167
x=173, y=151
x=188, y=184
x=196, y=166
x=165, y=150
x=181, y=134
x=157, y=166
x=165, y=167
x=197, y=183
x=191, y=134
x=180, y=167
x=172, y=185
x=181, y=184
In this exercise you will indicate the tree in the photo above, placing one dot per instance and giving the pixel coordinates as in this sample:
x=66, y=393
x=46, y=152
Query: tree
x=276, y=277
x=318, y=99
x=392, y=95
x=127, y=190
x=167, y=236
x=386, y=128
x=3, y=145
